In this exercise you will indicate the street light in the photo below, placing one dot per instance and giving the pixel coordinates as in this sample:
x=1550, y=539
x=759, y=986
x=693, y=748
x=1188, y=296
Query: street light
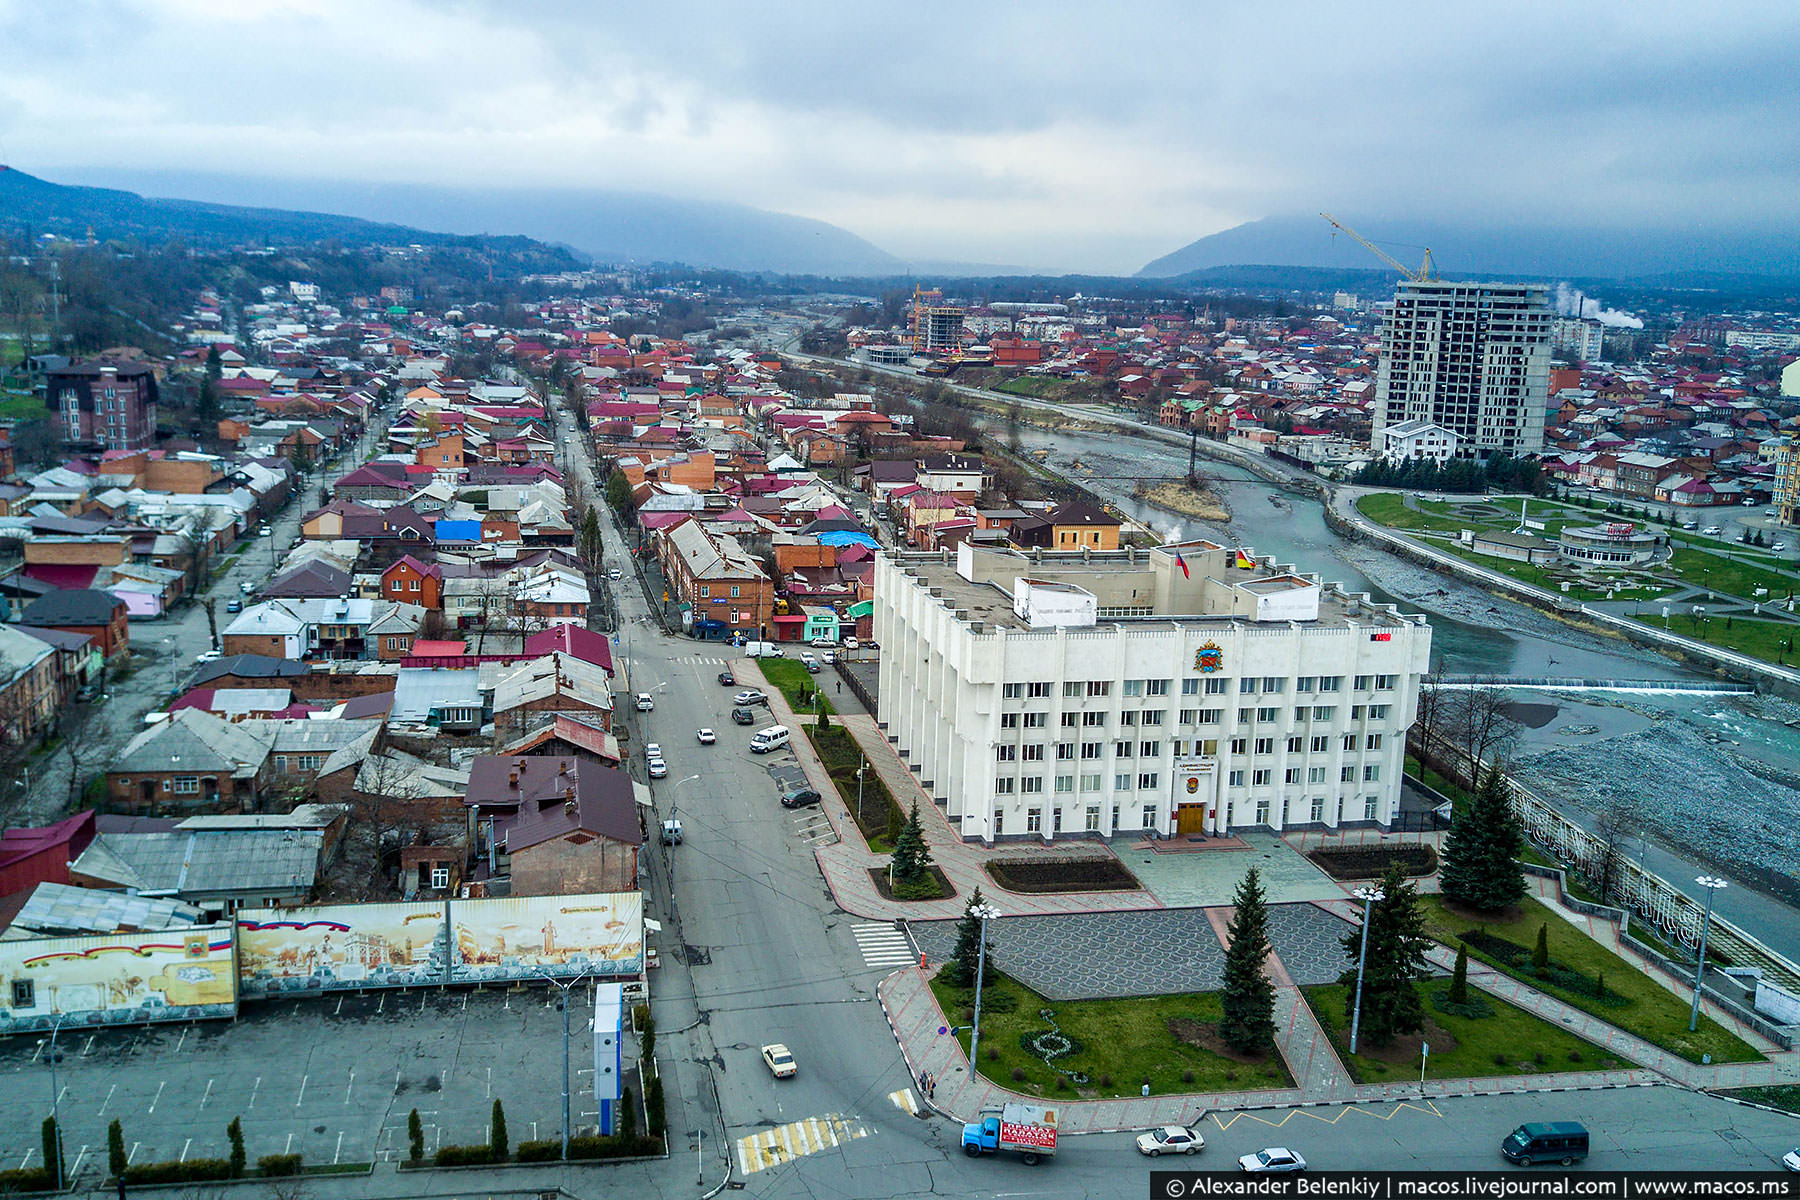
x=1370, y=896
x=984, y=912
x=1711, y=883
x=565, y=987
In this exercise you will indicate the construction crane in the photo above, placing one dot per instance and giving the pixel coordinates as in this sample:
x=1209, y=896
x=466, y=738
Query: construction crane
x=1426, y=272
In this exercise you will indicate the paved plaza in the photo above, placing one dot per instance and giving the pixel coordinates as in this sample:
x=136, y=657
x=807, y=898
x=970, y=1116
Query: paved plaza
x=1208, y=878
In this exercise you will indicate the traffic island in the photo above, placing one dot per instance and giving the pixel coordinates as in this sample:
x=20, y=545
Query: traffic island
x=935, y=886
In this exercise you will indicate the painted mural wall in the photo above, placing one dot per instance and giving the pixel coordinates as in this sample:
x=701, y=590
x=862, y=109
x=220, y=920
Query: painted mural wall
x=117, y=979
x=534, y=936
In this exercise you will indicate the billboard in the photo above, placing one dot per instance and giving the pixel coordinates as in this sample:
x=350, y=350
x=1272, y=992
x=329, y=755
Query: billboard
x=531, y=937
x=340, y=946
x=116, y=979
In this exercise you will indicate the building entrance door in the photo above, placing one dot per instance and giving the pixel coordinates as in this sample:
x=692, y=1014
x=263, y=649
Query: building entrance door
x=1190, y=818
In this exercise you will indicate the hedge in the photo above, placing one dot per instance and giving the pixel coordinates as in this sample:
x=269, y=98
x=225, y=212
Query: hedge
x=34, y=1179
x=546, y=1151
x=478, y=1154
x=614, y=1147
x=278, y=1164
x=194, y=1170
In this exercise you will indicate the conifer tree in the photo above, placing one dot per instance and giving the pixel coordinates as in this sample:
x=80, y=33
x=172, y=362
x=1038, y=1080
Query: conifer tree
x=1481, y=852
x=1248, y=1024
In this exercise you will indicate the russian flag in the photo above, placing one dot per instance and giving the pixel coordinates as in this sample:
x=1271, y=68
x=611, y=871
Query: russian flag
x=1182, y=563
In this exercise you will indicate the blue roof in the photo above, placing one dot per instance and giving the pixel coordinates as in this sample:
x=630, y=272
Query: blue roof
x=459, y=531
x=846, y=537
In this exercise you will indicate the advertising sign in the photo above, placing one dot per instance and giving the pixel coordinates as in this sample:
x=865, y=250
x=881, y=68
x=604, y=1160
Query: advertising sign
x=116, y=979
x=338, y=946
x=531, y=937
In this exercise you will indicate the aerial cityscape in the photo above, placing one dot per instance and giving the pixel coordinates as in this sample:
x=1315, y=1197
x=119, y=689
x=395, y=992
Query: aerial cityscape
x=897, y=627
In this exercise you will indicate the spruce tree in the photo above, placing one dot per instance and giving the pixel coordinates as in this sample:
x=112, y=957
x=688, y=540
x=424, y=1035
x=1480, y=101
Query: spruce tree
x=965, y=959
x=115, y=1150
x=1394, y=965
x=234, y=1133
x=1248, y=998
x=1540, y=953
x=912, y=857
x=497, y=1139
x=53, y=1159
x=1459, y=977
x=1481, y=852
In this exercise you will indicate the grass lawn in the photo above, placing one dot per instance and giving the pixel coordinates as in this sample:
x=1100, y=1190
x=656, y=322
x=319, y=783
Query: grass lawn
x=792, y=678
x=1731, y=575
x=16, y=407
x=1785, y=1096
x=1648, y=1010
x=1767, y=640
x=1510, y=1042
x=870, y=803
x=1389, y=508
x=1122, y=1043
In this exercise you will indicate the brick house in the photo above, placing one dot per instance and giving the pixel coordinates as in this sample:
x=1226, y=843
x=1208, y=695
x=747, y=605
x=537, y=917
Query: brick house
x=716, y=578
x=29, y=695
x=111, y=405
x=555, y=825
x=193, y=762
x=100, y=615
x=409, y=581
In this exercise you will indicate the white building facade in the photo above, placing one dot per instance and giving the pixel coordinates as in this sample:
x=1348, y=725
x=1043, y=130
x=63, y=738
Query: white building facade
x=1411, y=440
x=1055, y=696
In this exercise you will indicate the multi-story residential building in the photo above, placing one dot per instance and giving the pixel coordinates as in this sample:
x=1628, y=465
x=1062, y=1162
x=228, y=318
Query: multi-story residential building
x=104, y=404
x=1184, y=690
x=1579, y=337
x=720, y=585
x=1471, y=357
x=1787, y=480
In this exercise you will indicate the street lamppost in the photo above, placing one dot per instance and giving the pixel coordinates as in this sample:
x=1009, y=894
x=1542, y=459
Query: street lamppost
x=565, y=988
x=1370, y=896
x=1712, y=884
x=55, y=1096
x=983, y=912
x=859, y=800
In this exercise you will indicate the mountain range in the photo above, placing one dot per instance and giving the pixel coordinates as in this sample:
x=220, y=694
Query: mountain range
x=1462, y=250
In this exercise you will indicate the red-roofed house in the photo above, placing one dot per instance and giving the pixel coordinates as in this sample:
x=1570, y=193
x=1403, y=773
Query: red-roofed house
x=29, y=857
x=414, y=582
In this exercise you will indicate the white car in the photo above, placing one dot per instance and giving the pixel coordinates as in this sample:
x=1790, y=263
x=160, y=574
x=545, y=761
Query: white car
x=208, y=656
x=707, y=737
x=652, y=750
x=1170, y=1139
x=1711, y=530
x=1275, y=1158
x=658, y=769
x=1778, y=547
x=781, y=1064
x=1791, y=1160
x=646, y=702
x=615, y=573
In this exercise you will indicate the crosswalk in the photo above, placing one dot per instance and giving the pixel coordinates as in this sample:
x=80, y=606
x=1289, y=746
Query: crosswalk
x=772, y=1147
x=700, y=660
x=882, y=945
x=905, y=1101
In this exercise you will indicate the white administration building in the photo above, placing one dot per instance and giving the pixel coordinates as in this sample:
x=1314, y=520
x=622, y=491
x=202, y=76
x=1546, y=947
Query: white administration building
x=1183, y=690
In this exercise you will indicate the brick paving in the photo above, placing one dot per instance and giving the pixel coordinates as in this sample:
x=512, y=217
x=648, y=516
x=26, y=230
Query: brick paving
x=1094, y=956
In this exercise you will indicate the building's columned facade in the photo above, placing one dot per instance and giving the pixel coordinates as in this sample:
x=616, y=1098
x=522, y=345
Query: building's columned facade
x=1067, y=695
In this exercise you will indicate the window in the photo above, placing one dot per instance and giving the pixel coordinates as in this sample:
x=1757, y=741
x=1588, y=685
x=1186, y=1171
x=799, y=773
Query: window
x=1065, y=783
x=1149, y=749
x=1347, y=775
x=1291, y=775
x=1294, y=744
x=1320, y=744
x=1369, y=807
x=1091, y=719
x=1363, y=683
x=1215, y=687
x=1190, y=687
x=1306, y=683
x=1069, y=720
x=1378, y=712
x=1265, y=745
x=1350, y=741
x=1072, y=689
x=1035, y=752
x=1092, y=823
x=1092, y=750
x=24, y=991
x=184, y=784
x=1056, y=820
x=1318, y=809
x=1384, y=683
x=1147, y=781
x=1033, y=784
x=1006, y=753
x=1122, y=749
x=440, y=877
x=1356, y=711
x=1373, y=742
x=1273, y=683
x=1239, y=745
x=1153, y=716
x=1330, y=683
x=1065, y=751
x=1156, y=687
x=734, y=591
x=1013, y=691
x=1090, y=783
x=1129, y=717
x=1262, y=812
x=412, y=585
x=1099, y=687
x=1189, y=716
x=1003, y=787
x=1371, y=773
x=1211, y=716
x=1324, y=712
x=1268, y=715
x=999, y=823
x=1122, y=781
x=1132, y=687
x=1234, y=779
x=1260, y=778
x=1247, y=686
x=1315, y=774
x=1246, y=715
x=1009, y=720
x=1037, y=691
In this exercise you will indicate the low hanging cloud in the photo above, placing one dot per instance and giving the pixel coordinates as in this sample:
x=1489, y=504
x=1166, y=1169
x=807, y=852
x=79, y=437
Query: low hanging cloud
x=1571, y=303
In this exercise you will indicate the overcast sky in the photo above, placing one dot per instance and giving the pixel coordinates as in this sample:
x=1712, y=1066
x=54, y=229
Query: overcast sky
x=1073, y=136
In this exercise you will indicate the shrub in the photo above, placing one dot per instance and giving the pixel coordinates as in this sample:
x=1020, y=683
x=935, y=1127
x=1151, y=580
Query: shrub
x=1106, y=1081
x=640, y=1016
x=993, y=1054
x=234, y=1132
x=36, y=1179
x=1500, y=1059
x=1574, y=1056
x=627, y=1114
x=415, y=1137
x=1187, y=1077
x=613, y=1147
x=1062, y=1083
x=545, y=1151
x=653, y=1100
x=1018, y=1074
x=497, y=1140
x=1540, y=954
x=1473, y=1005
x=477, y=1154
x=278, y=1164
x=194, y=1170
x=115, y=1149
x=53, y=1159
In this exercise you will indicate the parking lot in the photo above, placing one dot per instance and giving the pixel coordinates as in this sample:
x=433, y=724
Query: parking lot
x=331, y=1078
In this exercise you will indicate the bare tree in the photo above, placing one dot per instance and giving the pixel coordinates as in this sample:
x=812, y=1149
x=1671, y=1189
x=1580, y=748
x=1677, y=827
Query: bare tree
x=196, y=544
x=83, y=750
x=494, y=599
x=1617, y=821
x=1433, y=701
x=1479, y=725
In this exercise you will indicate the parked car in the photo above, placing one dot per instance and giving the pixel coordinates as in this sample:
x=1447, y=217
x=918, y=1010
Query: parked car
x=1170, y=1139
x=265, y=531
x=707, y=737
x=781, y=1064
x=749, y=696
x=88, y=692
x=246, y=587
x=727, y=679
x=743, y=716
x=799, y=798
x=232, y=606
x=208, y=656
x=645, y=702
x=1791, y=1160
x=850, y=643
x=822, y=642
x=671, y=832
x=1778, y=547
x=827, y=657
x=652, y=750
x=615, y=573
x=1711, y=530
x=1275, y=1158
x=658, y=768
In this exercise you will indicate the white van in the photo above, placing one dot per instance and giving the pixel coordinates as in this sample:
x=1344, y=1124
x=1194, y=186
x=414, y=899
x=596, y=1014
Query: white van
x=772, y=738
x=762, y=650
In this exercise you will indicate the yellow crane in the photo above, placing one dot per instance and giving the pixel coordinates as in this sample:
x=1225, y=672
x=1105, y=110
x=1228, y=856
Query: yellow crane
x=1426, y=272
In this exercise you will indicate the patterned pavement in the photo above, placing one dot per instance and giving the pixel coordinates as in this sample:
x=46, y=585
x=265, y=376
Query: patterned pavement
x=1309, y=941
x=1085, y=956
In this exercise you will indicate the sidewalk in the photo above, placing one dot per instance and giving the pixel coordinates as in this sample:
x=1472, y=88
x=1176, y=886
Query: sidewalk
x=847, y=863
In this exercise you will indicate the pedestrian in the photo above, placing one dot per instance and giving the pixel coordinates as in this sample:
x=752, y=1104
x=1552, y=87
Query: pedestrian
x=840, y=687
x=930, y=1088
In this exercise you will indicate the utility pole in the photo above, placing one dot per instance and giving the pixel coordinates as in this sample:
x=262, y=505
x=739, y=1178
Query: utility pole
x=1193, y=449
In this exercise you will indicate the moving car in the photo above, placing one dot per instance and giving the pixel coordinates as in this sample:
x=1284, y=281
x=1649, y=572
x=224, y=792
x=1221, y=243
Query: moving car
x=1710, y=529
x=1548, y=1141
x=1791, y=1160
x=727, y=679
x=799, y=798
x=208, y=656
x=1170, y=1139
x=749, y=696
x=707, y=737
x=781, y=1064
x=645, y=702
x=234, y=606
x=743, y=716
x=246, y=587
x=1778, y=547
x=658, y=769
x=615, y=573
x=1274, y=1158
x=671, y=832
